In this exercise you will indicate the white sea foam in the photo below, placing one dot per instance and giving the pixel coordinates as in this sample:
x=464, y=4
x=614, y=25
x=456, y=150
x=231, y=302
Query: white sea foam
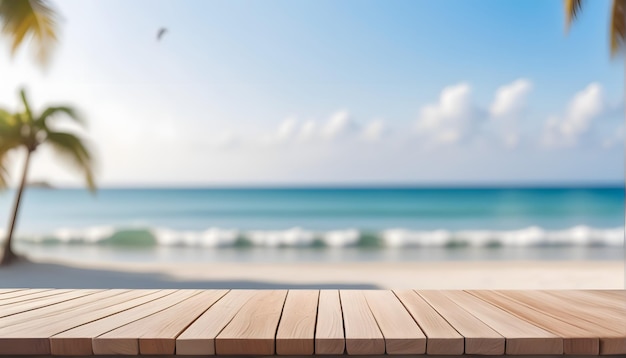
x=299, y=237
x=341, y=238
x=293, y=238
x=212, y=237
x=531, y=236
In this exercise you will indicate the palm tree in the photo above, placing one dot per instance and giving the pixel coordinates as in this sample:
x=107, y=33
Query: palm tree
x=617, y=30
x=21, y=19
x=24, y=131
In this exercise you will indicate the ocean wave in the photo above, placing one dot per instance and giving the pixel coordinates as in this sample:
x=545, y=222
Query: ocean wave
x=298, y=237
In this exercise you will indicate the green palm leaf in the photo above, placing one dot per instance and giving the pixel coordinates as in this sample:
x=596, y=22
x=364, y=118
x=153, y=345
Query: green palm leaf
x=24, y=19
x=71, y=148
x=50, y=112
x=10, y=138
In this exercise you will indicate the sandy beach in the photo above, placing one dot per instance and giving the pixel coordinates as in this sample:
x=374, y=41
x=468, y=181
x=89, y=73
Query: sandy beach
x=438, y=275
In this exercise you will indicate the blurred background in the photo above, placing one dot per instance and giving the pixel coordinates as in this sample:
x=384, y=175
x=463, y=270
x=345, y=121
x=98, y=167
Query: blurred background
x=445, y=144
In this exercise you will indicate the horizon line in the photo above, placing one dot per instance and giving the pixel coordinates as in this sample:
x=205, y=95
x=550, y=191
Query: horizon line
x=340, y=185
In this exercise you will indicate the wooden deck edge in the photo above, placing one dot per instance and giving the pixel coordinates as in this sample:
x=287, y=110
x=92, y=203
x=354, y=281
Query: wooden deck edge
x=325, y=356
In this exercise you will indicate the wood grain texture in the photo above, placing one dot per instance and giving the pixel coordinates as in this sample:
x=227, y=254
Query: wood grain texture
x=253, y=329
x=69, y=345
x=37, y=330
x=590, y=299
x=199, y=337
x=521, y=336
x=363, y=337
x=73, y=309
x=296, y=330
x=10, y=290
x=47, y=311
x=21, y=295
x=159, y=323
x=78, y=340
x=29, y=305
x=442, y=338
x=479, y=338
x=329, y=337
x=576, y=341
x=402, y=335
x=120, y=346
x=156, y=334
x=610, y=328
x=32, y=297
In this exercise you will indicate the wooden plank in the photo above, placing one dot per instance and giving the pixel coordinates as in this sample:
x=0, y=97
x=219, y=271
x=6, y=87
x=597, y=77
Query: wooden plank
x=598, y=302
x=576, y=341
x=99, y=310
x=591, y=297
x=617, y=294
x=296, y=330
x=11, y=292
x=73, y=307
x=80, y=340
x=30, y=337
x=442, y=338
x=199, y=338
x=156, y=334
x=402, y=335
x=610, y=329
x=479, y=338
x=587, y=317
x=22, y=292
x=252, y=331
x=521, y=336
x=24, y=297
x=363, y=337
x=329, y=337
x=65, y=295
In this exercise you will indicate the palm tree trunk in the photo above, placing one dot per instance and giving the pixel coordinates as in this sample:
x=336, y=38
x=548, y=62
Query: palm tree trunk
x=8, y=255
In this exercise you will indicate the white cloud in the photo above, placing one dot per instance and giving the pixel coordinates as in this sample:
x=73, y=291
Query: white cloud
x=507, y=109
x=586, y=106
x=510, y=99
x=307, y=130
x=339, y=124
x=287, y=129
x=449, y=120
x=374, y=131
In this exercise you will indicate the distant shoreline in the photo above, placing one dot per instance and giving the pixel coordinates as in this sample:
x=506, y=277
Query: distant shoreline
x=287, y=187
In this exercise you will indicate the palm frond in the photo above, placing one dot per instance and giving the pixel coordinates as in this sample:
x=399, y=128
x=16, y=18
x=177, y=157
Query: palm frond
x=75, y=152
x=10, y=139
x=34, y=19
x=68, y=111
x=618, y=26
x=4, y=173
x=27, y=110
x=10, y=131
x=572, y=9
x=4, y=113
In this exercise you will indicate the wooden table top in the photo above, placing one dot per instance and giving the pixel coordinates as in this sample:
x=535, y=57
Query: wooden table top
x=311, y=322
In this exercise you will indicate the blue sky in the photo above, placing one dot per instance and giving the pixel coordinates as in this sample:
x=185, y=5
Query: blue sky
x=316, y=92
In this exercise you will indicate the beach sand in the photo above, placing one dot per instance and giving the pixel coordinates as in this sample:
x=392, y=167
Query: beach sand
x=438, y=275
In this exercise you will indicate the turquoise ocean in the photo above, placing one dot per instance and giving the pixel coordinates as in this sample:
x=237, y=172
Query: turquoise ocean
x=322, y=224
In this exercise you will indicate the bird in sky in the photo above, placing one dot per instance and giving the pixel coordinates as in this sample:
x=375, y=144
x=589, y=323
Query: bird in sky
x=160, y=33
